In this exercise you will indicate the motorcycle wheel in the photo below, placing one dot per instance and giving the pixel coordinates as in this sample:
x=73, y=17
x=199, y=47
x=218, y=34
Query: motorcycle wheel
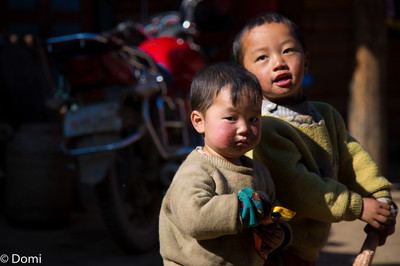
x=130, y=205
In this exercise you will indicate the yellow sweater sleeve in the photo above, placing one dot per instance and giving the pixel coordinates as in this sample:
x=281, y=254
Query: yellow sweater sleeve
x=293, y=165
x=357, y=170
x=297, y=184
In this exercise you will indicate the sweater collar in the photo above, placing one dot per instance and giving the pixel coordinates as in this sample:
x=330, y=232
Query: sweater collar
x=247, y=166
x=303, y=108
x=299, y=108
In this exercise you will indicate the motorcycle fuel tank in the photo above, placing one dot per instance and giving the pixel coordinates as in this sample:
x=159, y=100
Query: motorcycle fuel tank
x=176, y=58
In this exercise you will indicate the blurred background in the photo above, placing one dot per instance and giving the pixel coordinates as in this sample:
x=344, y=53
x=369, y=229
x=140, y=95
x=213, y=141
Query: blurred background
x=354, y=49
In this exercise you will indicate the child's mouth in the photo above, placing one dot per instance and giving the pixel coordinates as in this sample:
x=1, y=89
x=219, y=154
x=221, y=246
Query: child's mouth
x=242, y=142
x=283, y=80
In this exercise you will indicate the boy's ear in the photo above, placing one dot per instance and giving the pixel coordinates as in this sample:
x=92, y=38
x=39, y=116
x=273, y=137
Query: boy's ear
x=198, y=121
x=306, y=62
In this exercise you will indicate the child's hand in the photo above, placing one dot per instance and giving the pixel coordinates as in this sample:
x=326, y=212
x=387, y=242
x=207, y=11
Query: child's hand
x=375, y=213
x=268, y=238
x=389, y=226
x=251, y=209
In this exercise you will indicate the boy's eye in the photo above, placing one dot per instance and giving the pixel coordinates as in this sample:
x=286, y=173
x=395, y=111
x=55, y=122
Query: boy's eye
x=254, y=119
x=289, y=50
x=262, y=58
x=230, y=118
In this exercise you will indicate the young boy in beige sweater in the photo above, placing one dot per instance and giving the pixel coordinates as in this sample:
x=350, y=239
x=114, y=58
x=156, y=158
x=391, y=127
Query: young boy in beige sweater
x=218, y=195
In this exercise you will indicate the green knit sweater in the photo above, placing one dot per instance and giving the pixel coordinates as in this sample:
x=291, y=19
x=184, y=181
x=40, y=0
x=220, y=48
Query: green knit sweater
x=199, y=218
x=319, y=171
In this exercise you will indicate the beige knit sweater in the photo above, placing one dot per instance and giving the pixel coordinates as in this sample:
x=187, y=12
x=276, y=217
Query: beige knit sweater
x=320, y=172
x=199, y=218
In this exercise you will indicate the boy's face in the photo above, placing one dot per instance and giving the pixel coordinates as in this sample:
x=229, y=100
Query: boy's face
x=229, y=131
x=276, y=57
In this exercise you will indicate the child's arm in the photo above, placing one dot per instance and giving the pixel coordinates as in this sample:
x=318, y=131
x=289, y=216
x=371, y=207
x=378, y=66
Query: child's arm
x=199, y=211
x=298, y=187
x=302, y=189
x=358, y=171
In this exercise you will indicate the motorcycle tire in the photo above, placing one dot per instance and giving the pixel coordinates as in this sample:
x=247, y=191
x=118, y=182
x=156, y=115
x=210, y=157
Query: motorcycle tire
x=130, y=209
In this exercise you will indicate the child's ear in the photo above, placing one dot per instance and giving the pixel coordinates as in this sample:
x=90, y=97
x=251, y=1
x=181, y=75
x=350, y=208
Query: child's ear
x=306, y=62
x=198, y=121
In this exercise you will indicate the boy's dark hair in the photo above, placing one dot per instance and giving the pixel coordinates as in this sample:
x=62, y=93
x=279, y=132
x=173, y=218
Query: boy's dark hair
x=208, y=82
x=264, y=18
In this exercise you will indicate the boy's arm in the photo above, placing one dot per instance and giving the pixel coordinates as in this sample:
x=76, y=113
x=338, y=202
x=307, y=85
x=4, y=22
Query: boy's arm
x=361, y=174
x=358, y=171
x=299, y=189
x=198, y=211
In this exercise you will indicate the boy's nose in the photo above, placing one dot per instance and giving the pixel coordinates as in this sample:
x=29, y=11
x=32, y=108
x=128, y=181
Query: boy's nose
x=243, y=128
x=279, y=63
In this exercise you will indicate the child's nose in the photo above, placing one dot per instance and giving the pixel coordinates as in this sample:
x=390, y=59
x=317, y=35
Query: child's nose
x=279, y=62
x=243, y=127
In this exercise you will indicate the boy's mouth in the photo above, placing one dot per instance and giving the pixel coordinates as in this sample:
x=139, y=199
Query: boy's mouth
x=283, y=79
x=242, y=141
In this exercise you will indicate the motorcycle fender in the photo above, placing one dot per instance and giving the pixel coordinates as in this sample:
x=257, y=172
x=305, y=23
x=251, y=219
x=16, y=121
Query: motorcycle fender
x=93, y=167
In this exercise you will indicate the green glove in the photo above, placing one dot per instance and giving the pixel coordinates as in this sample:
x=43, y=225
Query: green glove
x=251, y=207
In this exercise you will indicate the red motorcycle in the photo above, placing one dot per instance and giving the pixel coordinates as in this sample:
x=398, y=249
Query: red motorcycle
x=123, y=97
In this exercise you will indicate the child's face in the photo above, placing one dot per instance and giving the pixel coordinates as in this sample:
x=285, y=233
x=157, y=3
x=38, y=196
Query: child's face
x=229, y=131
x=276, y=57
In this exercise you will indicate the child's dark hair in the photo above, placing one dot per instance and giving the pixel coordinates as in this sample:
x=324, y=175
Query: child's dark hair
x=209, y=81
x=264, y=18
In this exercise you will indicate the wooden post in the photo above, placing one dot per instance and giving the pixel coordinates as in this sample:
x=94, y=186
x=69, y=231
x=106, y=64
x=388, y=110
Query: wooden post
x=367, y=115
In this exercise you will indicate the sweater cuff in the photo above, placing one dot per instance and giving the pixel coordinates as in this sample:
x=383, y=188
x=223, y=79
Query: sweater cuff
x=381, y=194
x=355, y=208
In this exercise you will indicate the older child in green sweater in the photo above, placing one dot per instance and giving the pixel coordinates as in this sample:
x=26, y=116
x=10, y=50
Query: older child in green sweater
x=218, y=195
x=319, y=170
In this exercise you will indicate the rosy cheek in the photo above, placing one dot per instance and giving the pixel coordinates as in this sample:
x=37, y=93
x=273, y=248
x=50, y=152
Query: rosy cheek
x=256, y=131
x=261, y=75
x=265, y=84
x=223, y=134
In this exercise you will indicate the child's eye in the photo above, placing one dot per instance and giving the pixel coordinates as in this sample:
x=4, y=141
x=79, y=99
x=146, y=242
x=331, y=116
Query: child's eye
x=289, y=50
x=230, y=118
x=262, y=58
x=254, y=119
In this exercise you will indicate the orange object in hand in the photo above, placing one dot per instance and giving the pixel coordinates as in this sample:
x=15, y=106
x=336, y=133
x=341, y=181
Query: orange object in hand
x=278, y=214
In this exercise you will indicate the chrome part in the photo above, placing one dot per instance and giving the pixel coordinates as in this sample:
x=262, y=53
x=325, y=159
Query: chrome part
x=108, y=147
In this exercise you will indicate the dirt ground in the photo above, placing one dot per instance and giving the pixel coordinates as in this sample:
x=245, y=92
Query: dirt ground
x=85, y=241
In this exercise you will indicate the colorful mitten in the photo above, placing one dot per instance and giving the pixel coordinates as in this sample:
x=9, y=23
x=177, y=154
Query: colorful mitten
x=251, y=207
x=278, y=214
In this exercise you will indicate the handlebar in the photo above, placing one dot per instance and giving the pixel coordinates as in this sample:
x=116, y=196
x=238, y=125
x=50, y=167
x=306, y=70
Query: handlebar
x=87, y=43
